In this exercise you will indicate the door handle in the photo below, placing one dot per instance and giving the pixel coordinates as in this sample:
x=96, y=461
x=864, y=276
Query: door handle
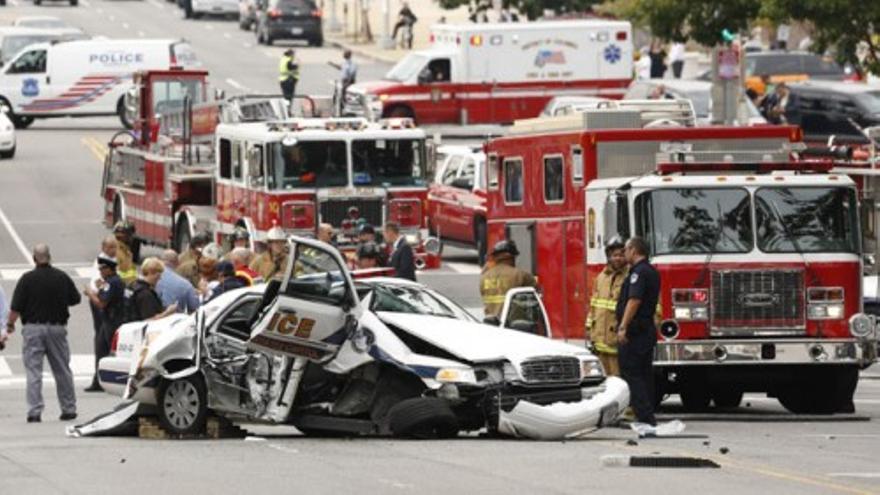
x=48, y=80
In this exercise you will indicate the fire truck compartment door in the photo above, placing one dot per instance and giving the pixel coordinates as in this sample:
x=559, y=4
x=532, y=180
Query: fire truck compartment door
x=317, y=307
x=607, y=215
x=524, y=311
x=523, y=234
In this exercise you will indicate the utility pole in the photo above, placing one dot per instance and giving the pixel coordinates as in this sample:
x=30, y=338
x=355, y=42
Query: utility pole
x=385, y=42
x=333, y=24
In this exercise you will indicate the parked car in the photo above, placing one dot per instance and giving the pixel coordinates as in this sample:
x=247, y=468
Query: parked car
x=14, y=38
x=289, y=20
x=330, y=355
x=698, y=92
x=782, y=66
x=457, y=198
x=825, y=108
x=247, y=14
x=7, y=135
x=194, y=9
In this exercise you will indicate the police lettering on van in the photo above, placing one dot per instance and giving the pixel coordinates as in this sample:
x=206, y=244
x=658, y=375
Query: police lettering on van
x=116, y=58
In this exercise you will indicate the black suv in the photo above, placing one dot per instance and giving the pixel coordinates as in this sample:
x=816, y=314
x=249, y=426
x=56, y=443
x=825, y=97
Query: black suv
x=823, y=109
x=288, y=20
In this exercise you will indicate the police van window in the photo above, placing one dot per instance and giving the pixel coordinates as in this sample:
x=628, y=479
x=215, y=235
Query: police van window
x=577, y=165
x=32, y=62
x=450, y=171
x=388, y=162
x=236, y=160
x=306, y=164
x=554, y=185
x=225, y=159
x=513, y=181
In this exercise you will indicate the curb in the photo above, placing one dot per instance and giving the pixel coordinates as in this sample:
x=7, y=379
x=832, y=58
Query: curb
x=360, y=51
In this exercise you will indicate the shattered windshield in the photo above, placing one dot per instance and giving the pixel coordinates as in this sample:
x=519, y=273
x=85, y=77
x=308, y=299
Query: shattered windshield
x=806, y=219
x=415, y=300
x=388, y=162
x=695, y=221
x=307, y=164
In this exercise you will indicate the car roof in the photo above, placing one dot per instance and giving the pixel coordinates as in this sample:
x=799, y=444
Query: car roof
x=679, y=84
x=836, y=86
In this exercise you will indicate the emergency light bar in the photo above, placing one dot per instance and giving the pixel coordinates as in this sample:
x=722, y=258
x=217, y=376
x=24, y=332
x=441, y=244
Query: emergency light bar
x=753, y=167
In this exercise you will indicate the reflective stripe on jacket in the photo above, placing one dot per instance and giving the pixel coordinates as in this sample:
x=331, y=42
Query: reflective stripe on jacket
x=601, y=319
x=496, y=280
x=287, y=69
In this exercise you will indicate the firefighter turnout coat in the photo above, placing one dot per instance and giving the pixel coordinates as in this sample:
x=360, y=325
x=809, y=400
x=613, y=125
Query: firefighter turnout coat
x=496, y=280
x=601, y=319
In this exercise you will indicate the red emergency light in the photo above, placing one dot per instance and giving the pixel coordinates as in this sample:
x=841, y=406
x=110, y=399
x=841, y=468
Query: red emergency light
x=621, y=36
x=754, y=167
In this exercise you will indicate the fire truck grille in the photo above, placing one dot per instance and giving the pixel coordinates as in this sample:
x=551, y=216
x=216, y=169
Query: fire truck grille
x=335, y=211
x=757, y=301
x=551, y=370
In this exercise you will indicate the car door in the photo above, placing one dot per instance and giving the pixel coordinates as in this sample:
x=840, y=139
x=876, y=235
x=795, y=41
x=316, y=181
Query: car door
x=524, y=311
x=26, y=84
x=460, y=215
x=436, y=83
x=316, y=308
x=444, y=197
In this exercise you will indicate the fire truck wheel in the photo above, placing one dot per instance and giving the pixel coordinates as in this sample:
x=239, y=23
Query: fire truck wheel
x=695, y=399
x=400, y=111
x=821, y=392
x=727, y=399
x=123, y=115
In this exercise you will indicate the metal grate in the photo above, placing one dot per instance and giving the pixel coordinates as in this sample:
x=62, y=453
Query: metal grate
x=756, y=301
x=335, y=211
x=551, y=370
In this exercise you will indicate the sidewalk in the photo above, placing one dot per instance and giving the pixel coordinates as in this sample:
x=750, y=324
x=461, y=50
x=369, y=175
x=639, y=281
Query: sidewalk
x=427, y=11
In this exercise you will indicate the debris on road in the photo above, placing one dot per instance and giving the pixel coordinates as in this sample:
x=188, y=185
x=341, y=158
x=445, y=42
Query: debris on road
x=658, y=461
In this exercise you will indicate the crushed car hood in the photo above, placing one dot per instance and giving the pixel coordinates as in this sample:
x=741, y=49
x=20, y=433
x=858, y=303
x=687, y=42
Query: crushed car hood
x=477, y=342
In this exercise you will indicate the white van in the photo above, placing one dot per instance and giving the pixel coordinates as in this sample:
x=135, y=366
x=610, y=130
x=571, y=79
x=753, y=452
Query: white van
x=82, y=78
x=14, y=38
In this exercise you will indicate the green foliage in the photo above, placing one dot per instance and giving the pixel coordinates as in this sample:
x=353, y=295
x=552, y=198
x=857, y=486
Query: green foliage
x=679, y=20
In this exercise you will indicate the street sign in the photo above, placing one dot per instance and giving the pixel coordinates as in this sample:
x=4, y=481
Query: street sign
x=728, y=64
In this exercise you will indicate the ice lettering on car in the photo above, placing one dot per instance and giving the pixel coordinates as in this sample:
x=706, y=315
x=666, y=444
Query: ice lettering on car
x=30, y=87
x=288, y=348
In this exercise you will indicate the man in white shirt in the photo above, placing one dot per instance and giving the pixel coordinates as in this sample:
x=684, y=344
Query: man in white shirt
x=676, y=58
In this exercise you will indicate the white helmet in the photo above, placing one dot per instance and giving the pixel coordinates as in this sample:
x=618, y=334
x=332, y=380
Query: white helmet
x=276, y=234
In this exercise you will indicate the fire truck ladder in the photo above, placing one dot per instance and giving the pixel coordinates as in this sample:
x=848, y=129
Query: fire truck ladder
x=615, y=114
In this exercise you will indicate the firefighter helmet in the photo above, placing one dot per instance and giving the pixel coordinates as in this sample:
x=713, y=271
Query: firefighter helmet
x=616, y=242
x=241, y=234
x=505, y=246
x=276, y=234
x=124, y=227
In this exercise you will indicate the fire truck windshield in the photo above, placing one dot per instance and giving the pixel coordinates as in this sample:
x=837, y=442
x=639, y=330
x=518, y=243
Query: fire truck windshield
x=696, y=221
x=407, y=69
x=170, y=94
x=816, y=220
x=307, y=164
x=388, y=162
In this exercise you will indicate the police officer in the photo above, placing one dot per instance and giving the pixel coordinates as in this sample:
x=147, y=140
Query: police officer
x=637, y=333
x=272, y=261
x=288, y=75
x=500, y=276
x=126, y=261
x=602, y=318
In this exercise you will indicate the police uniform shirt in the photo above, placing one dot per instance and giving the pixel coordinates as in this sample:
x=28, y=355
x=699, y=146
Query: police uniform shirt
x=112, y=293
x=643, y=283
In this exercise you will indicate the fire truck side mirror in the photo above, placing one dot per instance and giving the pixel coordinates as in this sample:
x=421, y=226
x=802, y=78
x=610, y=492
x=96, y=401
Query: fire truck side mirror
x=219, y=94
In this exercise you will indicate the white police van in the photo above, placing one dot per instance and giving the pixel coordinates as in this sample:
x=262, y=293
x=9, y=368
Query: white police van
x=82, y=78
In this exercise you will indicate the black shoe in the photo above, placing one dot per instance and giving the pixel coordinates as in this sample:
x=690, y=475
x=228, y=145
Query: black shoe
x=33, y=419
x=67, y=416
x=94, y=388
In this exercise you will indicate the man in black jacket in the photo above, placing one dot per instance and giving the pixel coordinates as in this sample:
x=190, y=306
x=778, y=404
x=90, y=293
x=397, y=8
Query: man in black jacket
x=402, y=258
x=41, y=299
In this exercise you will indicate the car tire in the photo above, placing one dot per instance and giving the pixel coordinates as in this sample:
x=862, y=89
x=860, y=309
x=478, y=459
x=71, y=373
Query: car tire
x=183, y=405
x=695, y=399
x=22, y=122
x=244, y=25
x=727, y=399
x=8, y=154
x=317, y=42
x=37, y=2
x=821, y=392
x=422, y=418
x=123, y=116
x=74, y=3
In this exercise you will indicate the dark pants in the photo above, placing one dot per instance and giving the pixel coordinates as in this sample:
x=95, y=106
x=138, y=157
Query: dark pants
x=97, y=323
x=288, y=88
x=636, y=359
x=677, y=67
x=103, y=338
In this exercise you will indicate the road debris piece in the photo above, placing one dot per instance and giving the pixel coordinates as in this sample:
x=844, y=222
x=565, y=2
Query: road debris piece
x=657, y=461
x=668, y=429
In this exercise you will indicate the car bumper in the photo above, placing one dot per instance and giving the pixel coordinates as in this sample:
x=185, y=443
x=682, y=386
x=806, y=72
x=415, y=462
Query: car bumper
x=294, y=30
x=215, y=7
x=113, y=374
x=765, y=352
x=566, y=419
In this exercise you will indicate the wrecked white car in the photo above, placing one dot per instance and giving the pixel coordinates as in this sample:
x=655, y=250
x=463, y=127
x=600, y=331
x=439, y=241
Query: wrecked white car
x=380, y=356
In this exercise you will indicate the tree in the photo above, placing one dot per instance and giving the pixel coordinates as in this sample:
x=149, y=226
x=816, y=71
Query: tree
x=679, y=20
x=839, y=24
x=530, y=8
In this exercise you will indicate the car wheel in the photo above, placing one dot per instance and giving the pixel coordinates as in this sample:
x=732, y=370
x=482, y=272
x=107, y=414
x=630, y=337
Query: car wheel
x=22, y=122
x=423, y=418
x=727, y=399
x=269, y=40
x=244, y=25
x=123, y=115
x=37, y=2
x=74, y=3
x=317, y=42
x=824, y=392
x=8, y=154
x=695, y=399
x=183, y=405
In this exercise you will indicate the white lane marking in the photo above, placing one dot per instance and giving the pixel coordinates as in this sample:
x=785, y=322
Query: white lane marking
x=464, y=268
x=5, y=370
x=227, y=36
x=855, y=475
x=85, y=3
x=281, y=448
x=82, y=364
x=14, y=274
x=156, y=4
x=237, y=85
x=20, y=381
x=247, y=45
x=141, y=34
x=209, y=27
x=14, y=3
x=15, y=237
x=85, y=272
x=395, y=484
x=268, y=53
x=125, y=25
x=80, y=271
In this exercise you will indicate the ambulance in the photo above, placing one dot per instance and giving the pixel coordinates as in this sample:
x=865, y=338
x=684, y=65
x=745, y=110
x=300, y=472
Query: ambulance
x=82, y=78
x=498, y=73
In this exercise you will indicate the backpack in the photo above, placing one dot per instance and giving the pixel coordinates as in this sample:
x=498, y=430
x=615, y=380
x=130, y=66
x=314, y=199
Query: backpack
x=130, y=311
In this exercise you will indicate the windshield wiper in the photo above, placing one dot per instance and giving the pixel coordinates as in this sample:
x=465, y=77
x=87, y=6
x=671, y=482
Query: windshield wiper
x=718, y=233
x=794, y=242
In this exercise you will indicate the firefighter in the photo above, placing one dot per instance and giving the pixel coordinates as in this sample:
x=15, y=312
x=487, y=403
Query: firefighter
x=241, y=238
x=601, y=319
x=188, y=261
x=288, y=75
x=273, y=260
x=126, y=269
x=500, y=276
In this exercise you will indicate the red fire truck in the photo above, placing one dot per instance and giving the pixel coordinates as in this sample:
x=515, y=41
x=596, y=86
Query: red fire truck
x=759, y=252
x=497, y=73
x=182, y=172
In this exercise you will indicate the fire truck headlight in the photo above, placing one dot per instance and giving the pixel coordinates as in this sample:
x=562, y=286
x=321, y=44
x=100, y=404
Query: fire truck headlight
x=825, y=311
x=861, y=326
x=432, y=245
x=691, y=313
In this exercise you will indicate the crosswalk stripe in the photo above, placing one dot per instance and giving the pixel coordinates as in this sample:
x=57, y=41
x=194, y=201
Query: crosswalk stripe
x=463, y=268
x=78, y=272
x=13, y=273
x=85, y=272
x=5, y=370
